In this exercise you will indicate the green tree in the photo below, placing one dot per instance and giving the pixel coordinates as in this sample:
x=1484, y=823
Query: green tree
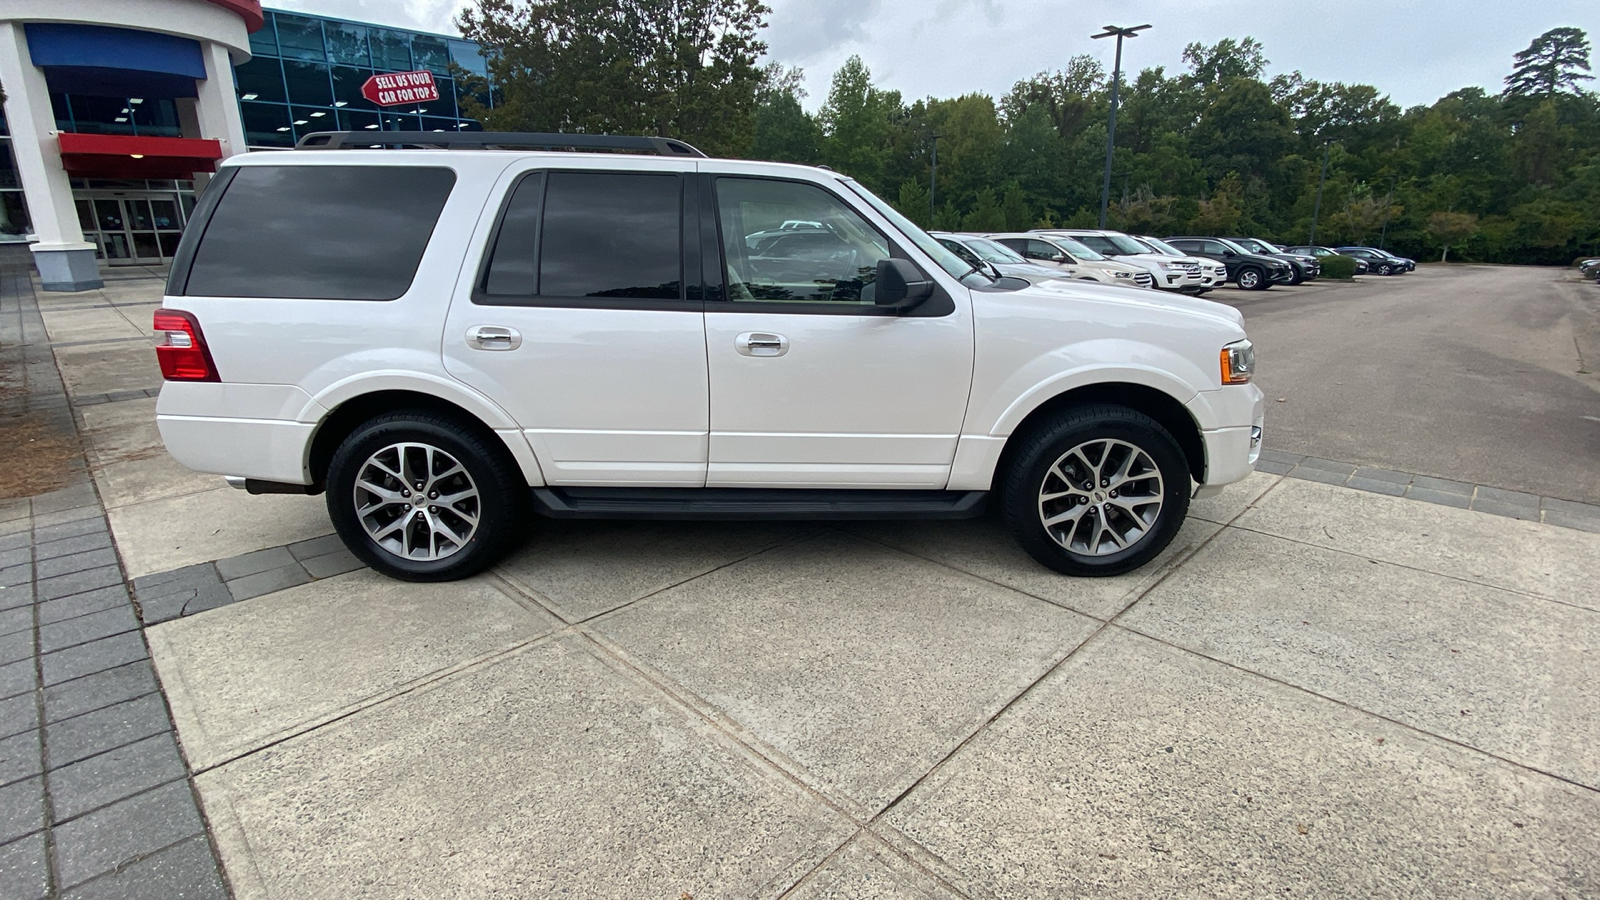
x=986, y=214
x=1225, y=59
x=912, y=202
x=1449, y=228
x=856, y=124
x=1015, y=208
x=684, y=68
x=782, y=130
x=1554, y=63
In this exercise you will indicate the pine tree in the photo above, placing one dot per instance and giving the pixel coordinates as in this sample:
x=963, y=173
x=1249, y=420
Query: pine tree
x=1554, y=63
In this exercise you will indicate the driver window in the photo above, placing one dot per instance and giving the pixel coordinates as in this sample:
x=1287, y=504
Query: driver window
x=1041, y=250
x=790, y=242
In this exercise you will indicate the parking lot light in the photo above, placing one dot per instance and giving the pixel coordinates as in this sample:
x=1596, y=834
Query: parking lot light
x=1111, y=132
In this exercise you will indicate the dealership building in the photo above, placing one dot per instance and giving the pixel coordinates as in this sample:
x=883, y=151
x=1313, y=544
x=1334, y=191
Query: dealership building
x=117, y=111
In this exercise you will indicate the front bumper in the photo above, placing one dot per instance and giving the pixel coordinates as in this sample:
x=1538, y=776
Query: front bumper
x=1232, y=448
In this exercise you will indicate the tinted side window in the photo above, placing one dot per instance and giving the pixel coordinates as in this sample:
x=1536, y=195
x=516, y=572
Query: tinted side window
x=1100, y=244
x=1187, y=246
x=1215, y=249
x=1041, y=250
x=836, y=261
x=320, y=232
x=612, y=234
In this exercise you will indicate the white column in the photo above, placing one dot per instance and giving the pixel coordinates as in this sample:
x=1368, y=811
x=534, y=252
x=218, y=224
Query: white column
x=65, y=260
x=219, y=102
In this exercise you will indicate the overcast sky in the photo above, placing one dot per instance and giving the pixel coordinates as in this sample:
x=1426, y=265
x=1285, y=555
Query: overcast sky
x=1413, y=50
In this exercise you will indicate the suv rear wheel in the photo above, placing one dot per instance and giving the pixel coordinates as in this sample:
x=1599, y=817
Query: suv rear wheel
x=419, y=497
x=1101, y=490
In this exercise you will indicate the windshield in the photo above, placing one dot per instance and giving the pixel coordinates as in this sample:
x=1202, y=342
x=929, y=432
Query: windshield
x=1162, y=247
x=1075, y=247
x=925, y=242
x=993, y=252
x=1124, y=244
x=1270, y=248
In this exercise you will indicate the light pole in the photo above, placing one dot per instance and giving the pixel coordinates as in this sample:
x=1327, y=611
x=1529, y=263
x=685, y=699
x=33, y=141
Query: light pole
x=1111, y=132
x=1316, y=207
x=933, y=179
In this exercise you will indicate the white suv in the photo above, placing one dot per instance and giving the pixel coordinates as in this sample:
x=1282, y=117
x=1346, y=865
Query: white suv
x=449, y=331
x=1168, y=273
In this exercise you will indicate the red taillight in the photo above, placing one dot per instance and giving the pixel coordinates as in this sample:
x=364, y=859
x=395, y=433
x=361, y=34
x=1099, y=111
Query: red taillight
x=181, y=348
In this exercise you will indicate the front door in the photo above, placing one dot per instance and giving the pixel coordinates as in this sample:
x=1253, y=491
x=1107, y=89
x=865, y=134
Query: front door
x=579, y=324
x=812, y=385
x=132, y=228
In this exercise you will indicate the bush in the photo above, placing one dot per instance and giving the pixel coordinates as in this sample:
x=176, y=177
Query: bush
x=1340, y=267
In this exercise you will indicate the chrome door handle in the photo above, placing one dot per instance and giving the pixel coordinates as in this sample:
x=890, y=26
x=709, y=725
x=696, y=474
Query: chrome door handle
x=493, y=337
x=760, y=343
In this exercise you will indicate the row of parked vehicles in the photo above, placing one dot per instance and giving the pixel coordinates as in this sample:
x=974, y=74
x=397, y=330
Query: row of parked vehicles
x=1590, y=269
x=1186, y=263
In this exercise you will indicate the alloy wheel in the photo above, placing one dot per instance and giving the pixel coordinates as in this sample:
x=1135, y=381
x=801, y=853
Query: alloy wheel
x=417, y=502
x=1249, y=278
x=1101, y=497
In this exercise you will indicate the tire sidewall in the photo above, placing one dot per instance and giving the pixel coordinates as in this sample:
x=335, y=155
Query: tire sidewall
x=1020, y=497
x=497, y=504
x=1249, y=279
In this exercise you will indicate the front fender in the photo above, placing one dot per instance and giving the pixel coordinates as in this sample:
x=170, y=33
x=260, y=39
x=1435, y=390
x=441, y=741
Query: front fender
x=1104, y=361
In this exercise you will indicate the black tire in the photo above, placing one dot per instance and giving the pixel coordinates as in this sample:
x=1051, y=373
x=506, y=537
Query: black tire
x=1033, y=474
x=1253, y=279
x=1385, y=270
x=487, y=468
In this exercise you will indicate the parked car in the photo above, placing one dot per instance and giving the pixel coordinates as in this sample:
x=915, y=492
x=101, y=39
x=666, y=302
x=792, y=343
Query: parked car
x=1067, y=253
x=1002, y=260
x=1166, y=272
x=1378, y=261
x=1324, y=252
x=441, y=342
x=1589, y=268
x=1251, y=271
x=1212, y=273
x=1305, y=267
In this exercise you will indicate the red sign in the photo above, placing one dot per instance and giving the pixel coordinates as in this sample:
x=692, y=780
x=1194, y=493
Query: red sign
x=400, y=88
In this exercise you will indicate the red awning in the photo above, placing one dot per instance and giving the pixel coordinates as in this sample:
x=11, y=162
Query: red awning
x=126, y=156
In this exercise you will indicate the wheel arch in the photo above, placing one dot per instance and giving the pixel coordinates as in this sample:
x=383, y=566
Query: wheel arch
x=347, y=416
x=1168, y=411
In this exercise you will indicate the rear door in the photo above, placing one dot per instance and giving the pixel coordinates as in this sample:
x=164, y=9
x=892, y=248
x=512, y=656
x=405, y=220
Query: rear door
x=579, y=319
x=812, y=385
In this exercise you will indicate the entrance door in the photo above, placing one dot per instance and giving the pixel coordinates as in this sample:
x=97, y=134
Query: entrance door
x=581, y=328
x=812, y=384
x=132, y=229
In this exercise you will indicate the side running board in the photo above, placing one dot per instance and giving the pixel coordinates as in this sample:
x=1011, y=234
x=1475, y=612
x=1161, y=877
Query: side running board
x=753, y=503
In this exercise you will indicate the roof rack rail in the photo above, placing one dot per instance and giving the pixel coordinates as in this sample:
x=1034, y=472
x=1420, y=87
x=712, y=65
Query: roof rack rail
x=493, y=140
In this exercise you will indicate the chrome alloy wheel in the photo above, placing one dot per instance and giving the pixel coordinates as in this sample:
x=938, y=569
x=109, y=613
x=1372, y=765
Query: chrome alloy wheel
x=1101, y=497
x=1249, y=278
x=417, y=501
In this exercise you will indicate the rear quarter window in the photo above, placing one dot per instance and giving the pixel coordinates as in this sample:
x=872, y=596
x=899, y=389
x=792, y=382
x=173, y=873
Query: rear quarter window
x=319, y=232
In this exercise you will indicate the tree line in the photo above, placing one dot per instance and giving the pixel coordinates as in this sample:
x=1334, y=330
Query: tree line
x=1214, y=147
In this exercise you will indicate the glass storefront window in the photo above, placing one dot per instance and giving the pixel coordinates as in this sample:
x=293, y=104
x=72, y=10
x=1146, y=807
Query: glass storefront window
x=267, y=125
x=307, y=121
x=300, y=38
x=358, y=120
x=260, y=79
x=100, y=115
x=467, y=57
x=394, y=122
x=431, y=53
x=13, y=216
x=155, y=117
x=308, y=83
x=391, y=50
x=264, y=41
x=347, y=43
x=8, y=167
x=347, y=84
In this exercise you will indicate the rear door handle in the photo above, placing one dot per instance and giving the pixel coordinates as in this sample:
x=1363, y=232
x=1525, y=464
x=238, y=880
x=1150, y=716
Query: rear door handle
x=493, y=337
x=760, y=343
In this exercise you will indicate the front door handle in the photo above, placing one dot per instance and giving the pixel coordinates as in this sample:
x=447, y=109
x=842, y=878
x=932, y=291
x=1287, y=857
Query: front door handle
x=760, y=343
x=493, y=337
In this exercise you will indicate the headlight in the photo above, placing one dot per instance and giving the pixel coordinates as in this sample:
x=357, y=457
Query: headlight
x=1123, y=274
x=1238, y=362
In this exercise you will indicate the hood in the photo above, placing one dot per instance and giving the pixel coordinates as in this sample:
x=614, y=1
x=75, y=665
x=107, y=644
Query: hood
x=1162, y=300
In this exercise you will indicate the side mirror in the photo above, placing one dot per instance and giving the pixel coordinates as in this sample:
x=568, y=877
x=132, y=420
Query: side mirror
x=1229, y=253
x=900, y=285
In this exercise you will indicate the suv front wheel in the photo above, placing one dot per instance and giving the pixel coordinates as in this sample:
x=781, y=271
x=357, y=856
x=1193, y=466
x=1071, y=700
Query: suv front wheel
x=419, y=497
x=1253, y=280
x=1101, y=490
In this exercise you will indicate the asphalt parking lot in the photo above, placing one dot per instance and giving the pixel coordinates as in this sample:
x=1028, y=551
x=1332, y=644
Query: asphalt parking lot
x=1366, y=671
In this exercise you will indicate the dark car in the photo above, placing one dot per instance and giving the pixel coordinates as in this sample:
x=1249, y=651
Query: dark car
x=1305, y=266
x=1251, y=271
x=1323, y=252
x=1590, y=268
x=1380, y=261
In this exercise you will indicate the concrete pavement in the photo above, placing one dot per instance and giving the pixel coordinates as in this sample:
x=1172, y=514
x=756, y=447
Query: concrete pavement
x=1318, y=689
